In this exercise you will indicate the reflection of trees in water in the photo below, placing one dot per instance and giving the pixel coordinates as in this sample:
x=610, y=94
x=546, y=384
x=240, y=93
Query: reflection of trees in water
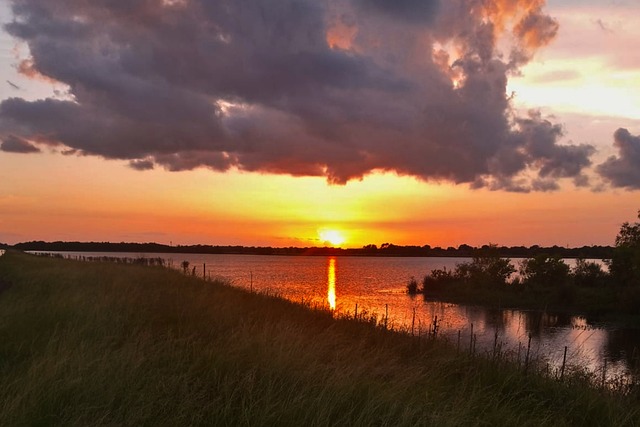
x=622, y=345
x=475, y=315
x=498, y=319
x=535, y=322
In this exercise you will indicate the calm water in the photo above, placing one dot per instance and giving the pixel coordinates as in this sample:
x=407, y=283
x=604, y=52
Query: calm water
x=377, y=286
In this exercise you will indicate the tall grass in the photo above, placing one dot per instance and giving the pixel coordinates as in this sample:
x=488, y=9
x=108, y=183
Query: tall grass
x=111, y=344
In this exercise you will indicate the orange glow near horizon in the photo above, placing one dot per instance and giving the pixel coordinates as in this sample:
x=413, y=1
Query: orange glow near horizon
x=115, y=203
x=331, y=283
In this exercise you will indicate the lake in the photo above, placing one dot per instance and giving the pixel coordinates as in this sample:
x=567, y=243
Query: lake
x=377, y=285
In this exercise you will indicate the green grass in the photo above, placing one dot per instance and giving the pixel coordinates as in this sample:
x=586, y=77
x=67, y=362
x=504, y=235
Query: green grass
x=106, y=344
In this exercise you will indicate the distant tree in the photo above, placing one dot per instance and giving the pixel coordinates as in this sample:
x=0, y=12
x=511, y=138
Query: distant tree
x=370, y=249
x=625, y=262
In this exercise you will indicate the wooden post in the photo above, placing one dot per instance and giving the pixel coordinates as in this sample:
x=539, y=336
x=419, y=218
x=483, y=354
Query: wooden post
x=204, y=271
x=355, y=316
x=564, y=362
x=435, y=326
x=604, y=373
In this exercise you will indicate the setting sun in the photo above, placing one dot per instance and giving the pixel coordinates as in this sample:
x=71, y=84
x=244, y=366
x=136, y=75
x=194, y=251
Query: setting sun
x=334, y=237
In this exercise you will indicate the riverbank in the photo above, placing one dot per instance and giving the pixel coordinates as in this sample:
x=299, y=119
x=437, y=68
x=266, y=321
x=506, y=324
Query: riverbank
x=100, y=343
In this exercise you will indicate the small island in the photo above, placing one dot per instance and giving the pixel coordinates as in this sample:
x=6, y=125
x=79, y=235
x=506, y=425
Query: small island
x=545, y=281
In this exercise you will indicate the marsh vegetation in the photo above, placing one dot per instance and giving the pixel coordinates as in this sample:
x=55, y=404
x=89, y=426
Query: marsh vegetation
x=102, y=343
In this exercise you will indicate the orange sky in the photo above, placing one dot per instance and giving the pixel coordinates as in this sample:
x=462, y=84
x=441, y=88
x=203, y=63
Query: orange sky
x=50, y=196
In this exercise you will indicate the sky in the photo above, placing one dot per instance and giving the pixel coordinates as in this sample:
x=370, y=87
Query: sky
x=312, y=122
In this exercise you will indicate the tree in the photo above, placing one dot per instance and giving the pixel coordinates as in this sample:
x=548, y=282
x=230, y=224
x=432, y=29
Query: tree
x=625, y=262
x=544, y=270
x=588, y=274
x=487, y=269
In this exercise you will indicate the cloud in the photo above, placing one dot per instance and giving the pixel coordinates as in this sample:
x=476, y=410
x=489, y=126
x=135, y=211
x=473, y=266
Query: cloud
x=13, y=144
x=623, y=170
x=417, y=11
x=338, y=89
x=141, y=165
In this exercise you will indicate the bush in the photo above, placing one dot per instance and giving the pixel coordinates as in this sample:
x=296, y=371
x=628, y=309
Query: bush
x=589, y=274
x=488, y=271
x=434, y=283
x=544, y=271
x=412, y=286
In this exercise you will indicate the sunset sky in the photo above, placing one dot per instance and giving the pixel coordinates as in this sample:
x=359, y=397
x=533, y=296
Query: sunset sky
x=293, y=122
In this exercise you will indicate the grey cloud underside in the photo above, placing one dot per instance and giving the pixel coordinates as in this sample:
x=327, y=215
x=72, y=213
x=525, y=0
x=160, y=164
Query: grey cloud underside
x=623, y=170
x=254, y=85
x=12, y=144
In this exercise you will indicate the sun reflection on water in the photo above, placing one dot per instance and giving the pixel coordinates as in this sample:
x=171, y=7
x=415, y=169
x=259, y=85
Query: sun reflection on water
x=331, y=283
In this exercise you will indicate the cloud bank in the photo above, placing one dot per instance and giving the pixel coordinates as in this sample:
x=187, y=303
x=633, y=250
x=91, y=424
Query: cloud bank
x=337, y=88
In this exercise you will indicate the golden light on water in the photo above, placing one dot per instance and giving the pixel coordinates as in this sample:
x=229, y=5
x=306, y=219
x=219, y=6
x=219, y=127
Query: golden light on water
x=331, y=283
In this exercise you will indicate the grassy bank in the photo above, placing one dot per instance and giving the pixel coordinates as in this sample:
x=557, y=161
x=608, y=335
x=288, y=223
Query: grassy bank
x=92, y=344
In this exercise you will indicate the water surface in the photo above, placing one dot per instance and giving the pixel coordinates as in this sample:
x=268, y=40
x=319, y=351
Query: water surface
x=377, y=286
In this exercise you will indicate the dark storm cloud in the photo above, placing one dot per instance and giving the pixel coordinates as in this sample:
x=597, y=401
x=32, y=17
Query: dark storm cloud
x=418, y=11
x=337, y=89
x=12, y=144
x=623, y=170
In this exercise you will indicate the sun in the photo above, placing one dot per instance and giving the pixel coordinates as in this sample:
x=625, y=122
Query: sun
x=334, y=237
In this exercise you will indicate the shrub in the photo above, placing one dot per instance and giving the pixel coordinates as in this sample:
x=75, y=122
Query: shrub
x=589, y=274
x=544, y=270
x=412, y=286
x=625, y=262
x=185, y=266
x=438, y=279
x=488, y=271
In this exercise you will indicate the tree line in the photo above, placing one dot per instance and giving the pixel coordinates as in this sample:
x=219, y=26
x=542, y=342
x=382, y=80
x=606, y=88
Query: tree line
x=386, y=249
